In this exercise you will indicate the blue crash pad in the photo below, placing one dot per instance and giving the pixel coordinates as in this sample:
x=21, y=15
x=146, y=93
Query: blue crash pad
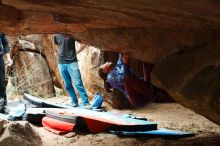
x=165, y=133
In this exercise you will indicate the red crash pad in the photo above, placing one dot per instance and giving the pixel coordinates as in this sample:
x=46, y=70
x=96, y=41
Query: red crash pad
x=56, y=126
x=102, y=121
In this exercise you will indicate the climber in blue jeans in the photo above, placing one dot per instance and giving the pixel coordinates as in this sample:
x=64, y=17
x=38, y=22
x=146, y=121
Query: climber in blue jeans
x=69, y=69
x=4, y=51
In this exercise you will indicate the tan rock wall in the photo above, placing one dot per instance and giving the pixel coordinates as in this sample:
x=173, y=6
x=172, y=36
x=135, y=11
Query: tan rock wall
x=89, y=61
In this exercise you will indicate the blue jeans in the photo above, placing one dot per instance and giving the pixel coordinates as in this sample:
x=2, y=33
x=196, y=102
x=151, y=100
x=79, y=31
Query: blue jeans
x=2, y=79
x=70, y=73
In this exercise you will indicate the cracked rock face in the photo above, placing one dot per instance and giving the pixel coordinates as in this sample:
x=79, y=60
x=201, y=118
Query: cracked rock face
x=181, y=37
x=30, y=71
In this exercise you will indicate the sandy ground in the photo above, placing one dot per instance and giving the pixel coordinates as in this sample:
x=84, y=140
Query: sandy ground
x=169, y=115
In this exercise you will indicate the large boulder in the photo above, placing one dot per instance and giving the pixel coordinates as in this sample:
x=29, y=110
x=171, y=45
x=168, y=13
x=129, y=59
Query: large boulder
x=43, y=45
x=36, y=58
x=193, y=79
x=19, y=134
x=31, y=74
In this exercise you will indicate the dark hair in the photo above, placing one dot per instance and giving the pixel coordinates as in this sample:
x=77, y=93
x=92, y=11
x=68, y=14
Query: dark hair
x=103, y=75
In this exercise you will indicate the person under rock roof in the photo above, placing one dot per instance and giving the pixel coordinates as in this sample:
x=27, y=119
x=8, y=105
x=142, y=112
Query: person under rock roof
x=138, y=91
